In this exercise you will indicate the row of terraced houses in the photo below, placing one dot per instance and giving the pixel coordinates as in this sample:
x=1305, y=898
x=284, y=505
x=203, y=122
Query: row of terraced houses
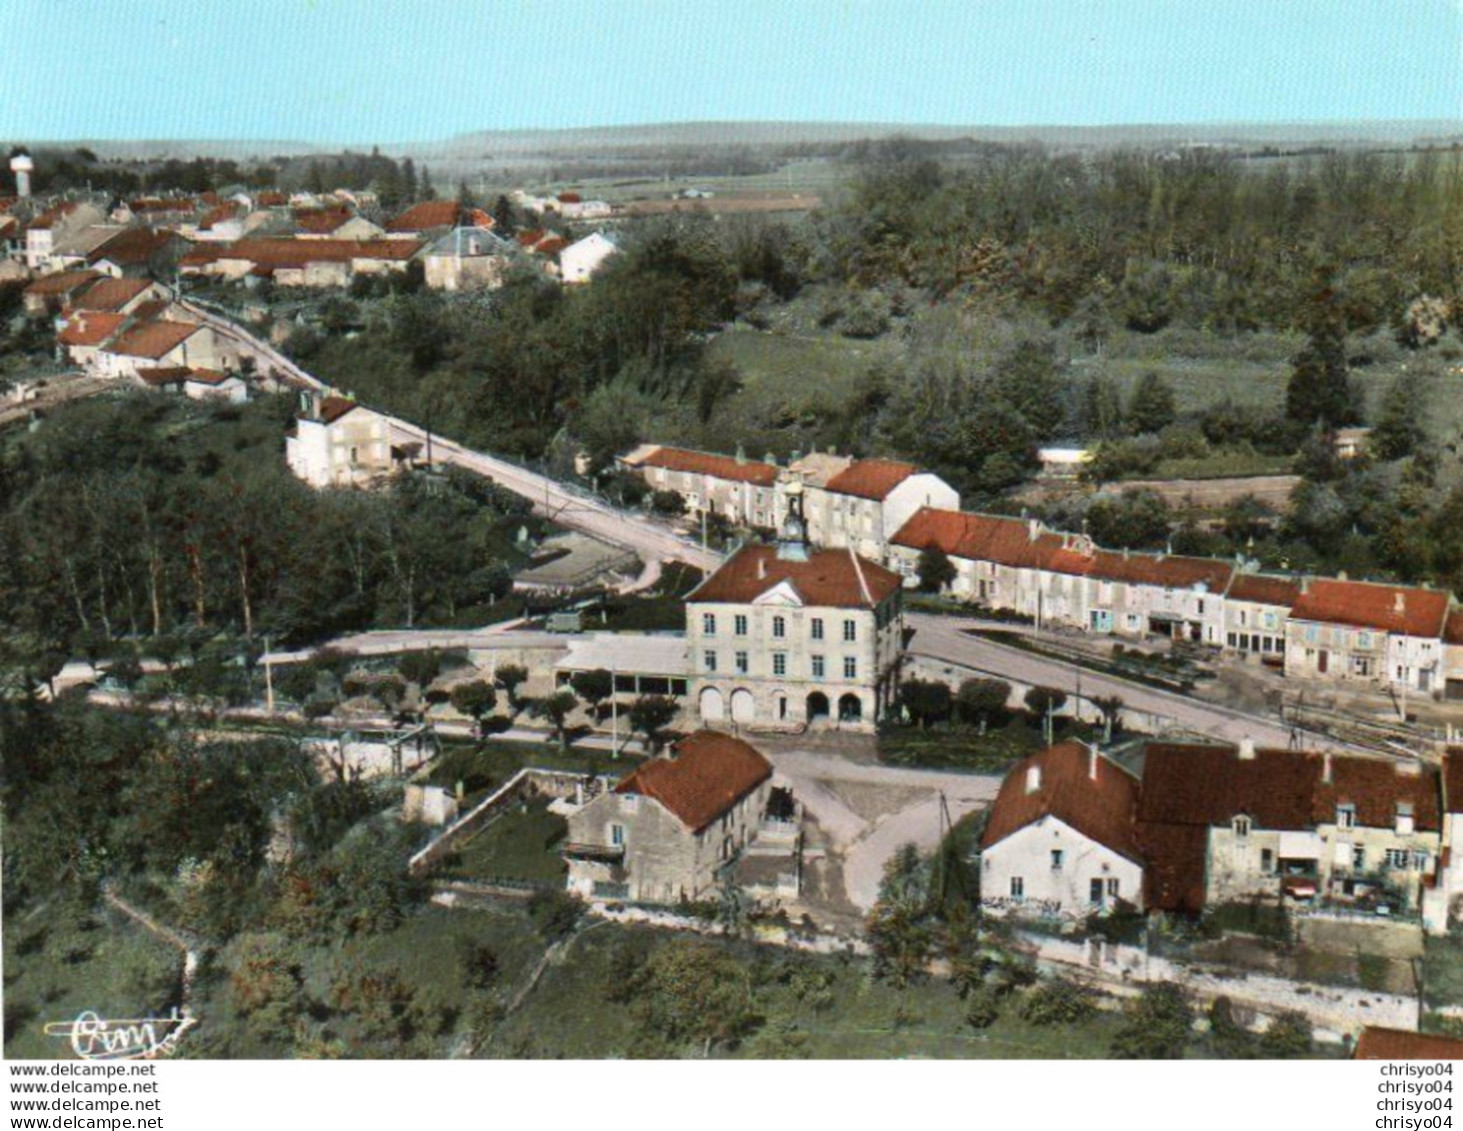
x=892, y=512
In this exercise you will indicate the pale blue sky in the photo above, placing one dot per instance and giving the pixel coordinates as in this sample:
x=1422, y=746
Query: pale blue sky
x=355, y=71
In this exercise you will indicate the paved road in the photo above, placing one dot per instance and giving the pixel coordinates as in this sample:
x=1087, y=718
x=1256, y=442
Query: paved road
x=941, y=638
x=651, y=541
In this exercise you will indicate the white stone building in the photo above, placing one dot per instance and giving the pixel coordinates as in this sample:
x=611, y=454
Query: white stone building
x=338, y=443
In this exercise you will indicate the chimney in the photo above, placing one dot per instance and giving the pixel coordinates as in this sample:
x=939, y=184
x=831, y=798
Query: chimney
x=1305, y=584
x=741, y=455
x=1092, y=760
x=1247, y=749
x=1328, y=774
x=1033, y=778
x=761, y=569
x=1399, y=603
x=1033, y=527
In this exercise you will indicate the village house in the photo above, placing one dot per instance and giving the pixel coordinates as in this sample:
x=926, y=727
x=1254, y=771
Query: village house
x=667, y=831
x=1256, y=612
x=1377, y=1043
x=86, y=332
x=1355, y=631
x=787, y=637
x=303, y=262
x=136, y=253
x=467, y=259
x=51, y=293
x=1442, y=900
x=864, y=505
x=55, y=224
x=73, y=250
x=1072, y=832
x=1453, y=655
x=160, y=344
x=1222, y=824
x=1061, y=839
x=428, y=219
x=157, y=212
x=338, y=443
x=734, y=487
x=580, y=260
x=333, y=224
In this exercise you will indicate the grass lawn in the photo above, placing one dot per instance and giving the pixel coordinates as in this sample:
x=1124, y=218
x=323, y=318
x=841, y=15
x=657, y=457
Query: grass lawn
x=483, y=767
x=952, y=746
x=1442, y=971
x=522, y=844
x=568, y=1015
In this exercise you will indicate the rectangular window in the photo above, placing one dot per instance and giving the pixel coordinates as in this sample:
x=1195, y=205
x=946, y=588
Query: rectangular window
x=1346, y=816
x=1112, y=887
x=709, y=661
x=779, y=627
x=850, y=667
x=1419, y=861
x=1094, y=892
x=1018, y=887
x=741, y=663
x=779, y=663
x=817, y=628
x=817, y=667
x=1267, y=861
x=1056, y=859
x=708, y=623
x=850, y=631
x=1396, y=858
x=739, y=624
x=617, y=835
x=1358, y=858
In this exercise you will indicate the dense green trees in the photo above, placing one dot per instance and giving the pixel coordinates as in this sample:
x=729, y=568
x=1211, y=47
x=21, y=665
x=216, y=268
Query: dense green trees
x=152, y=518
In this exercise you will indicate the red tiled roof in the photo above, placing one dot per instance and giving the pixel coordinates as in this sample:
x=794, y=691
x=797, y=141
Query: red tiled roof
x=9, y=227
x=271, y=199
x=226, y=211
x=551, y=246
x=62, y=283
x=132, y=247
x=152, y=339
x=1386, y=608
x=1376, y=1043
x=834, y=578
x=49, y=218
x=209, y=376
x=90, y=328
x=706, y=463
x=108, y=294
x=1101, y=808
x=1167, y=570
x=871, y=478
x=201, y=255
x=709, y=774
x=427, y=214
x=333, y=408
x=1453, y=779
x=1263, y=590
x=569, y=198
x=530, y=237
x=283, y=252
x=321, y=221
x=1175, y=867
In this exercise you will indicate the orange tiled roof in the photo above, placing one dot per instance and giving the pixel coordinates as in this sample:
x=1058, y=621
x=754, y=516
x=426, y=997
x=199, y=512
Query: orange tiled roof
x=152, y=339
x=274, y=253
x=321, y=221
x=62, y=283
x=1263, y=590
x=709, y=774
x=225, y=211
x=1376, y=1043
x=163, y=375
x=132, y=247
x=871, y=478
x=333, y=408
x=108, y=294
x=717, y=466
x=209, y=376
x=427, y=214
x=1102, y=808
x=90, y=328
x=50, y=217
x=1386, y=608
x=833, y=578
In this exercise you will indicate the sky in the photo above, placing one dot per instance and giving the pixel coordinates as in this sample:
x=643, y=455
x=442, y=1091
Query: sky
x=363, y=71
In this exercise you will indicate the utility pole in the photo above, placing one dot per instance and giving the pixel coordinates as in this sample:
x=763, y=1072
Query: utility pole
x=614, y=713
x=268, y=678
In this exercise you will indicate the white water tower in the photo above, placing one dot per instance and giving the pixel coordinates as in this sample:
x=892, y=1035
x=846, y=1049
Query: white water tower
x=22, y=166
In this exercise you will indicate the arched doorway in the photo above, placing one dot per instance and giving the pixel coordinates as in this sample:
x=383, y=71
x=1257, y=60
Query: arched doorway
x=850, y=708
x=712, y=709
x=743, y=707
x=817, y=707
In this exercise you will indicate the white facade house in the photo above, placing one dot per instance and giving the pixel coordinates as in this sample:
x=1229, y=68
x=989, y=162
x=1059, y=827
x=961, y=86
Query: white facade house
x=864, y=505
x=337, y=443
x=1061, y=838
x=580, y=260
